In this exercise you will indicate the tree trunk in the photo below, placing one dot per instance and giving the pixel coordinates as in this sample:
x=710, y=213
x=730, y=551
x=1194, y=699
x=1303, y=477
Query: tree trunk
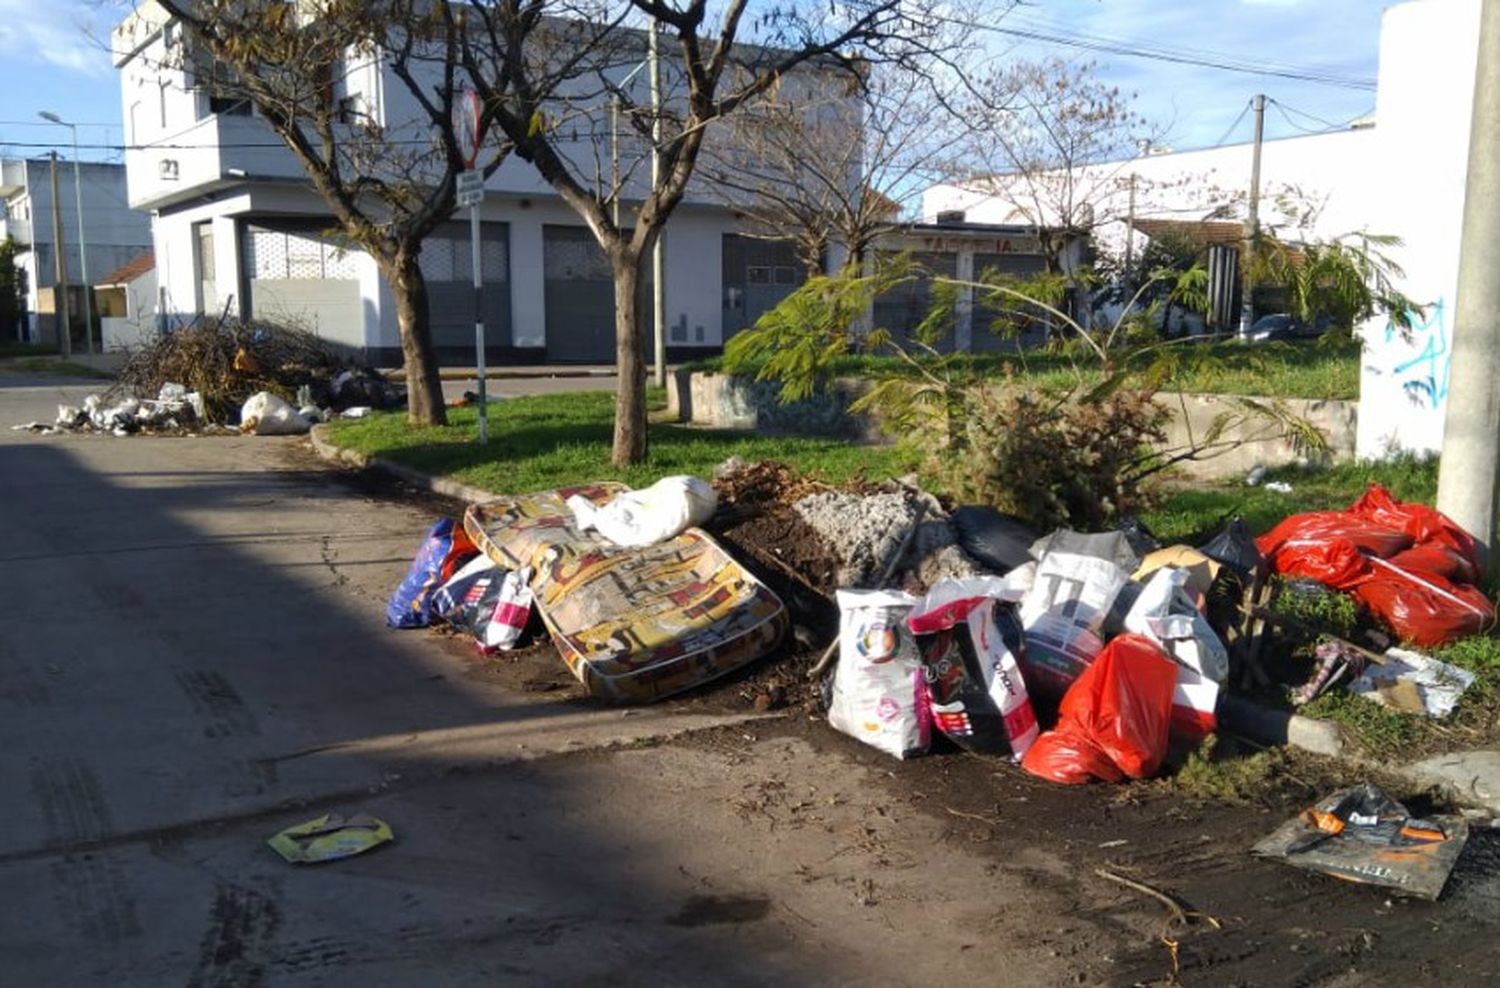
x=424, y=386
x=630, y=396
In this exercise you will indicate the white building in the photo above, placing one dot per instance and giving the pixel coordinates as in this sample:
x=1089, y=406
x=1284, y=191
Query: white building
x=114, y=232
x=238, y=228
x=126, y=300
x=1402, y=174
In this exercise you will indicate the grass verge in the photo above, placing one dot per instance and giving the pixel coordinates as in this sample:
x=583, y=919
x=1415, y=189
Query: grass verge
x=1193, y=514
x=15, y=348
x=53, y=366
x=549, y=441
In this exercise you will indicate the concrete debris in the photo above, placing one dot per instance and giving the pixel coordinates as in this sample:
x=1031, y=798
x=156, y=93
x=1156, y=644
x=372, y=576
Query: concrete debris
x=865, y=531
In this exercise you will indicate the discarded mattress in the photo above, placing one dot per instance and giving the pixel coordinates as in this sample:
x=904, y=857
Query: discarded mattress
x=634, y=624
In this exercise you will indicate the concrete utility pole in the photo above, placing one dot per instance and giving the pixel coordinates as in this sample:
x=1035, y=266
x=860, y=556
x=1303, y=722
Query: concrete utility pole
x=1252, y=223
x=658, y=263
x=1130, y=230
x=83, y=247
x=1471, y=434
x=60, y=284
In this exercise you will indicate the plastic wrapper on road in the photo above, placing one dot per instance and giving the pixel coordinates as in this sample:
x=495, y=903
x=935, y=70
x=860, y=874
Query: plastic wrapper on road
x=1362, y=835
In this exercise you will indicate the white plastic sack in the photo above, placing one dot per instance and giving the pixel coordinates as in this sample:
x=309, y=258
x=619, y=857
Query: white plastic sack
x=264, y=414
x=646, y=517
x=878, y=693
x=1063, y=614
x=1165, y=613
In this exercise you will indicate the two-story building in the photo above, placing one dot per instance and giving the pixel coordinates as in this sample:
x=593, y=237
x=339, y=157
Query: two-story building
x=238, y=228
x=114, y=233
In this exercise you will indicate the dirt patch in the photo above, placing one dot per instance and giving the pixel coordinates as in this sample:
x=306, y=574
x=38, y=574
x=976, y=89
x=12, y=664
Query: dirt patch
x=1277, y=926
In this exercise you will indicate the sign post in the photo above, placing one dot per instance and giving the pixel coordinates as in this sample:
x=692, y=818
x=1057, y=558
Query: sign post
x=471, y=193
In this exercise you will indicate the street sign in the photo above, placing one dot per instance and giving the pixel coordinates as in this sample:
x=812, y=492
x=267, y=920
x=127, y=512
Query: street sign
x=466, y=125
x=470, y=188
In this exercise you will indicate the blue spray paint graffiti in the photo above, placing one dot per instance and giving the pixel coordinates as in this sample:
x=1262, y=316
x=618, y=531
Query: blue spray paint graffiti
x=1424, y=377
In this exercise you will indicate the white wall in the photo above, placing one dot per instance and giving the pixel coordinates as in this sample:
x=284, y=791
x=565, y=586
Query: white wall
x=114, y=233
x=1331, y=172
x=1428, y=54
x=138, y=326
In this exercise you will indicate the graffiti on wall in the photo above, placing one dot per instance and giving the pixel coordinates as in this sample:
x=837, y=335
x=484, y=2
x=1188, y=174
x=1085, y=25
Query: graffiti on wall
x=1423, y=377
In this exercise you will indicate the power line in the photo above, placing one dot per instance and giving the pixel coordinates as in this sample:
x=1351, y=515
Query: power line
x=1330, y=124
x=1160, y=54
x=1243, y=110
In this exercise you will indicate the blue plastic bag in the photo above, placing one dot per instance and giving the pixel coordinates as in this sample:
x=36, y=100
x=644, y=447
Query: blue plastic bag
x=446, y=548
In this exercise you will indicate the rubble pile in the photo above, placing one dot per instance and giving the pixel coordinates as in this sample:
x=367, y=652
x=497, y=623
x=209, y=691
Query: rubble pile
x=227, y=362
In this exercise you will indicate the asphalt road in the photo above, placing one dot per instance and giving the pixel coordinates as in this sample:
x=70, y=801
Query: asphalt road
x=193, y=657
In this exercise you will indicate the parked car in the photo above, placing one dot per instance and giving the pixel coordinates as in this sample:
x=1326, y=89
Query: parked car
x=1285, y=326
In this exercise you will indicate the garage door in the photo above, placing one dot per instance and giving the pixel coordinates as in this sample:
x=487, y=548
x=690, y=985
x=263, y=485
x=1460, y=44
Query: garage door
x=902, y=309
x=448, y=265
x=758, y=274
x=985, y=318
x=579, y=295
x=296, y=277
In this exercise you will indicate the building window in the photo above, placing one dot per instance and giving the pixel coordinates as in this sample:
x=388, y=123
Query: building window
x=757, y=275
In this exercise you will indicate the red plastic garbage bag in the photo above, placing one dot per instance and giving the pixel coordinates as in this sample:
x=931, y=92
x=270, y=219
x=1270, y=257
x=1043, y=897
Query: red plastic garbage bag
x=1336, y=562
x=1425, y=525
x=1408, y=564
x=1114, y=719
x=1434, y=557
x=1422, y=607
x=1322, y=527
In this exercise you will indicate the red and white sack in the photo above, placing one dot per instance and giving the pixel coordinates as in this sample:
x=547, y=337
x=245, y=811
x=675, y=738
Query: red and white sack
x=879, y=696
x=494, y=604
x=968, y=636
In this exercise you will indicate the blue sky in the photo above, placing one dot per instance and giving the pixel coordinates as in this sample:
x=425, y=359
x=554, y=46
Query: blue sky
x=53, y=57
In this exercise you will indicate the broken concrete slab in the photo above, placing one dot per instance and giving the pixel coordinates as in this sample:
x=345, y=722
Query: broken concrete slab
x=1474, y=776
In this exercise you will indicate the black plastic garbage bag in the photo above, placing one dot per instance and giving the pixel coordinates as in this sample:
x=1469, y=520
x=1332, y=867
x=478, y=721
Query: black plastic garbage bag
x=1235, y=548
x=996, y=540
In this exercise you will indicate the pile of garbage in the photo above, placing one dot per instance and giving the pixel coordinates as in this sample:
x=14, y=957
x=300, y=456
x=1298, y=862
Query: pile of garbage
x=227, y=362
x=174, y=410
x=1083, y=657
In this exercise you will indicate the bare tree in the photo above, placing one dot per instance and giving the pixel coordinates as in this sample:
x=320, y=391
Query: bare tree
x=388, y=182
x=1054, y=144
x=835, y=170
x=716, y=66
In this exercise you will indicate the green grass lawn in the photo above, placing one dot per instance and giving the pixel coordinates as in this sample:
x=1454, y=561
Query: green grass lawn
x=550, y=441
x=1192, y=514
x=15, y=348
x=1318, y=369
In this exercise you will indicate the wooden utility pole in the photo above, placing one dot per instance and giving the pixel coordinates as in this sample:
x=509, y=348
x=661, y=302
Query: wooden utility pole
x=1252, y=223
x=60, y=305
x=1470, y=467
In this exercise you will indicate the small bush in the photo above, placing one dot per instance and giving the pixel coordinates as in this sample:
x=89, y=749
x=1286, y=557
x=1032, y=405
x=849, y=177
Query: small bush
x=1056, y=460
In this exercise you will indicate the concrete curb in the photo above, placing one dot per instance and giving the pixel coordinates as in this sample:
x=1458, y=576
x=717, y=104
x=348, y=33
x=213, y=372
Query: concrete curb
x=491, y=374
x=437, y=485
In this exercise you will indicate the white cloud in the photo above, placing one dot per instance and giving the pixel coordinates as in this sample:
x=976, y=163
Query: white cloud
x=61, y=33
